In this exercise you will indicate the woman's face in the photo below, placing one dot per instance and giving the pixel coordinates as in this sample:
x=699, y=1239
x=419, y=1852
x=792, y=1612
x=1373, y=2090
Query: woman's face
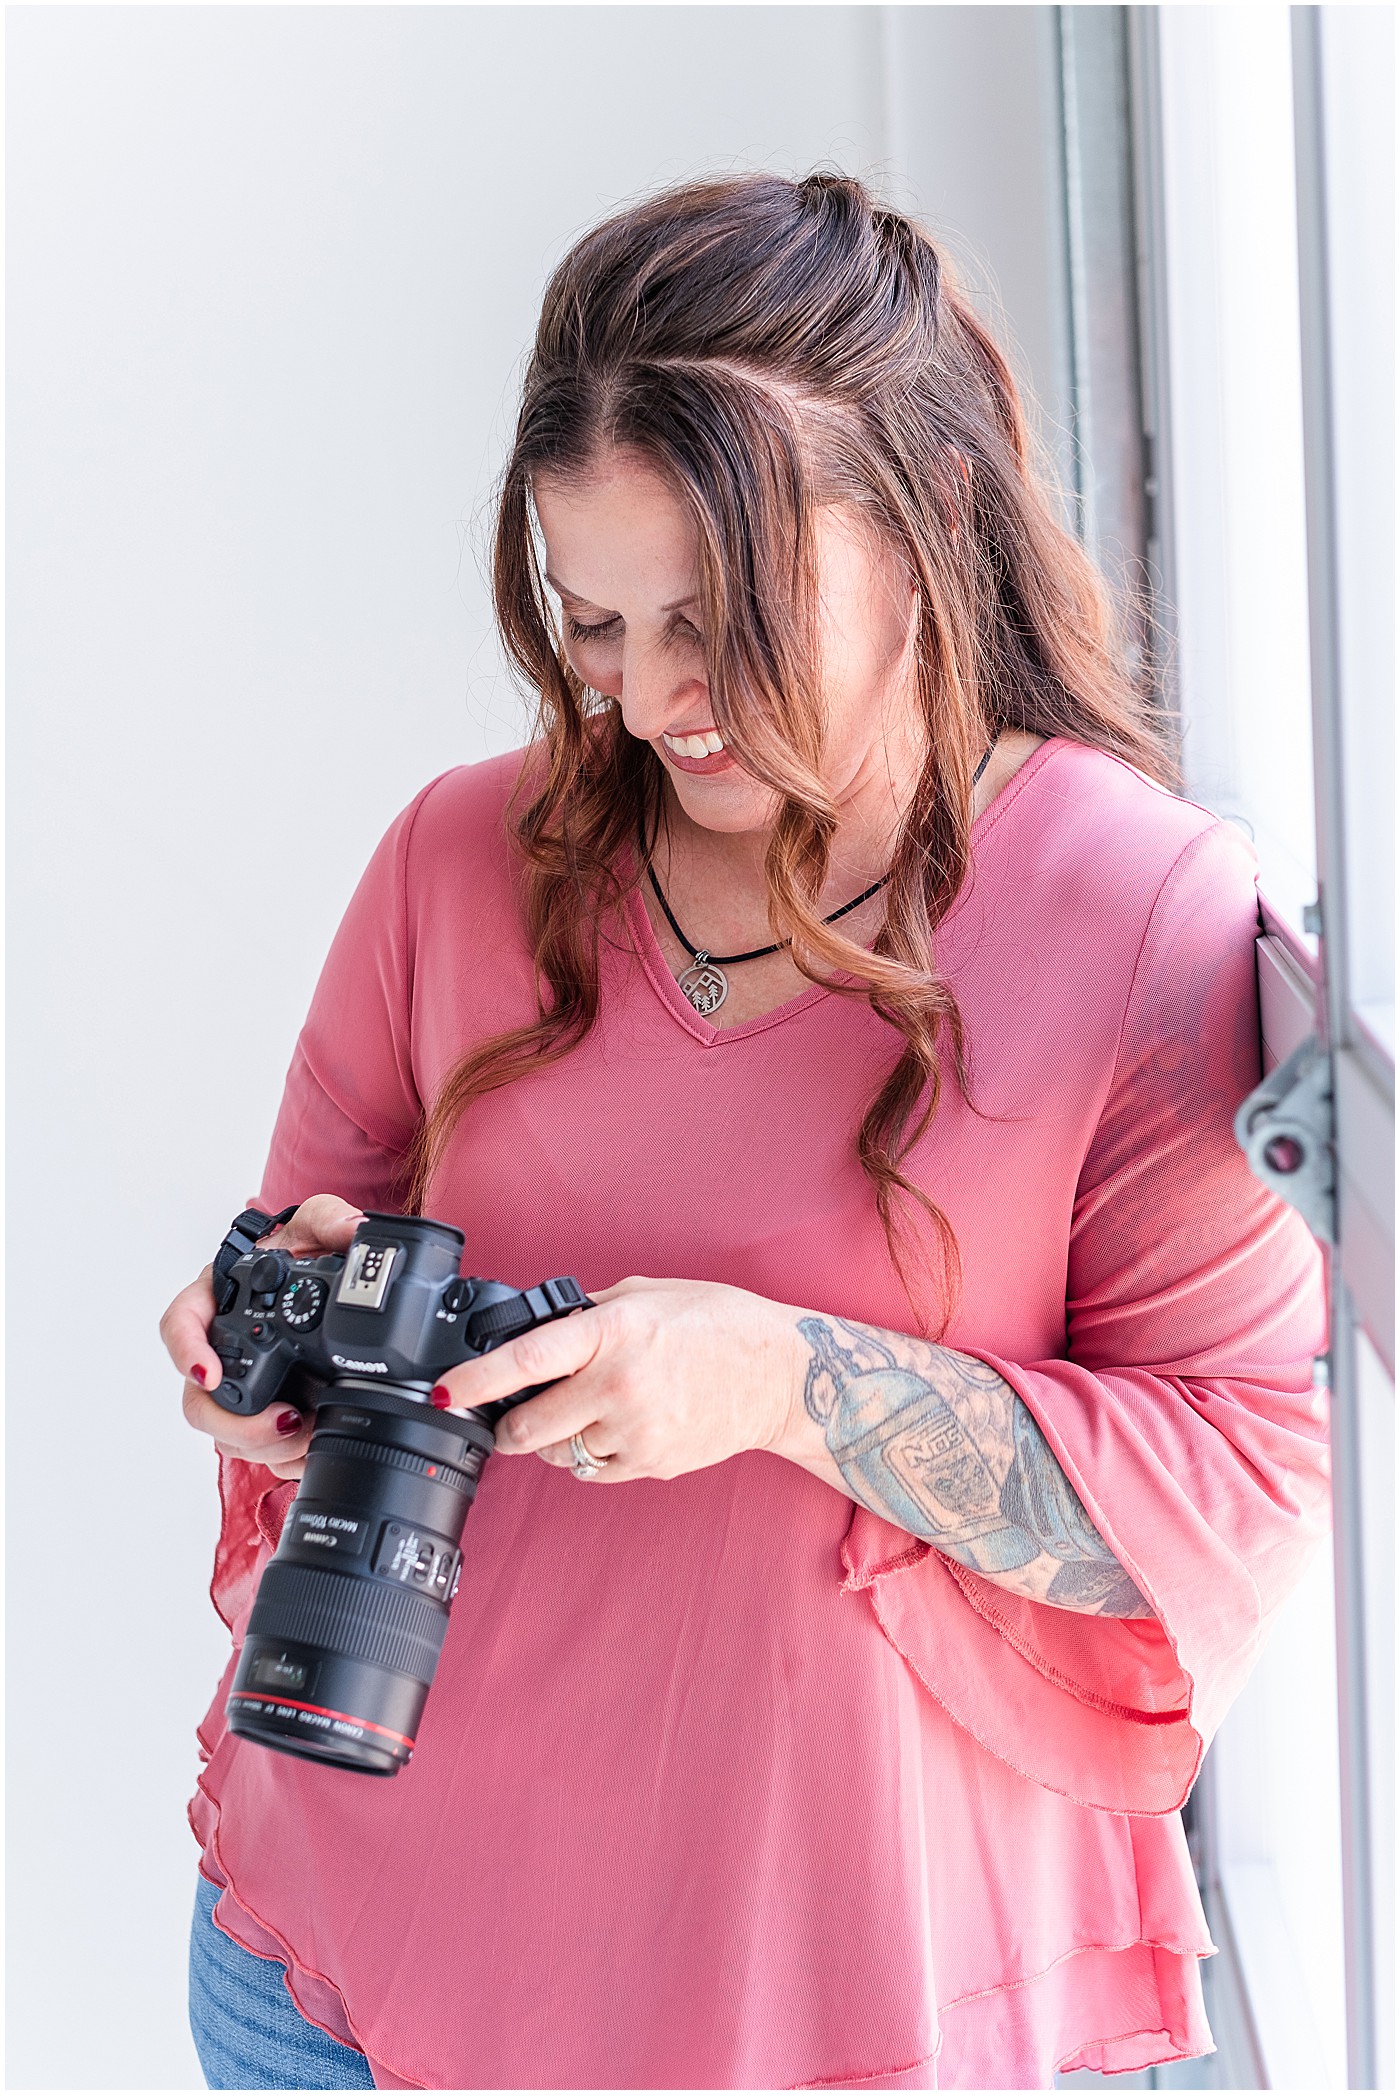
x=621, y=551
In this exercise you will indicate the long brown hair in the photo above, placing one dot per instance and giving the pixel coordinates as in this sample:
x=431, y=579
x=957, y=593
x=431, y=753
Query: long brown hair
x=772, y=346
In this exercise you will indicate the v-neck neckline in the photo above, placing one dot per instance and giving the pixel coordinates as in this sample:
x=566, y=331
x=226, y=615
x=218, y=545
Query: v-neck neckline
x=667, y=988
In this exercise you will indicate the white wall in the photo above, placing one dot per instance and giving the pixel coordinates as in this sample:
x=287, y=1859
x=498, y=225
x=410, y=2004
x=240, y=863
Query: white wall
x=974, y=144
x=271, y=273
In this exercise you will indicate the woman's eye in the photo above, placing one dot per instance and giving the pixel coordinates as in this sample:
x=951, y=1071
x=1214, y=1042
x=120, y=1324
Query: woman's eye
x=582, y=632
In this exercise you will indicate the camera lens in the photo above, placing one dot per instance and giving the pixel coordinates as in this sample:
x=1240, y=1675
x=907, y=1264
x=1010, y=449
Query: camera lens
x=351, y=1613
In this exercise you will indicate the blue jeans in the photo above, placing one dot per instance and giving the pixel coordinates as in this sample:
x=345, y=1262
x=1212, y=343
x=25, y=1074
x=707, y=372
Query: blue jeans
x=247, y=2029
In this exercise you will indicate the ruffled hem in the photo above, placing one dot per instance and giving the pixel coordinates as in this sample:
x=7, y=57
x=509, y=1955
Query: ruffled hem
x=318, y=1998
x=1105, y=2007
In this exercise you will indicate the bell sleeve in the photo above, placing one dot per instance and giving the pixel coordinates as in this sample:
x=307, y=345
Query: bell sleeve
x=1183, y=1412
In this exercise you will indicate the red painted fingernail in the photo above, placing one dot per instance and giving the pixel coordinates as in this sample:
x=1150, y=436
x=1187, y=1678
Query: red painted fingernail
x=289, y=1422
x=200, y=1374
x=441, y=1396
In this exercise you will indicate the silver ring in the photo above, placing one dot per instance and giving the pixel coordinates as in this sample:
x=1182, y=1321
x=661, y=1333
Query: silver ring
x=586, y=1463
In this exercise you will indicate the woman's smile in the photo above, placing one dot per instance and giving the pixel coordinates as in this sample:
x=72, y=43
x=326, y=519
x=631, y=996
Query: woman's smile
x=701, y=752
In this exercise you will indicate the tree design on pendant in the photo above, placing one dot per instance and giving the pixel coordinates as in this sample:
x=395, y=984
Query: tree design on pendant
x=704, y=985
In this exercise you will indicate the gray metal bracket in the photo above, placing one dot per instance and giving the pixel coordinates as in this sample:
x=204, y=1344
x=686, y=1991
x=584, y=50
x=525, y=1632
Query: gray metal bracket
x=1287, y=1130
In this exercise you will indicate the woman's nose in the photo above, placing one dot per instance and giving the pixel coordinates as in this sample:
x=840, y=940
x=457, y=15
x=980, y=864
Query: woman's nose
x=657, y=694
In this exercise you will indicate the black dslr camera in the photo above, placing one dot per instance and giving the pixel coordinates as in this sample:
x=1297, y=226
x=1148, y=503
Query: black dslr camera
x=351, y=1613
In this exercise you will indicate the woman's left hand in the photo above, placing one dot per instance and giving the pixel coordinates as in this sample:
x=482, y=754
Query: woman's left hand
x=662, y=1376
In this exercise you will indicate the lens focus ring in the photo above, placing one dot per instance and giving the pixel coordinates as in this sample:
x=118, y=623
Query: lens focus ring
x=355, y=1618
x=459, y=1478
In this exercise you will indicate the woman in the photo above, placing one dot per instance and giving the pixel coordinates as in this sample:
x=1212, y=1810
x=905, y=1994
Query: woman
x=836, y=954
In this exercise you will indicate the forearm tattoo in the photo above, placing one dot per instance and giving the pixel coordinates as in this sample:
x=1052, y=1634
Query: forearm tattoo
x=940, y=1445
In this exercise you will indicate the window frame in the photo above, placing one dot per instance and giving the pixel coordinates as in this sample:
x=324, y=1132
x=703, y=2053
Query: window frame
x=1363, y=1259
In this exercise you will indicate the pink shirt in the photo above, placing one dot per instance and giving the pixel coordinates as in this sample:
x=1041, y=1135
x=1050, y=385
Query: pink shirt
x=724, y=1782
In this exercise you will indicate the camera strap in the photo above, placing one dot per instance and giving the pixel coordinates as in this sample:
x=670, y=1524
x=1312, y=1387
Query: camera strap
x=500, y=1321
x=243, y=1233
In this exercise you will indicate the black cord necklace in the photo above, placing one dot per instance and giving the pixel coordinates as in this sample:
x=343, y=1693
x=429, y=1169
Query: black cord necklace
x=704, y=983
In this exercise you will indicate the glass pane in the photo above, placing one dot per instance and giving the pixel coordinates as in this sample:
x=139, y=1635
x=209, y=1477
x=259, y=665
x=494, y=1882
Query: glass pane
x=1278, y=1815
x=1236, y=431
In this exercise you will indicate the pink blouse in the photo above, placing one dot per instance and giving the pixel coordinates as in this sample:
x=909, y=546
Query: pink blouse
x=724, y=1782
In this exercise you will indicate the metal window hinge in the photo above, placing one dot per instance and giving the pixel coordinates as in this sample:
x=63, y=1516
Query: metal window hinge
x=1286, y=1130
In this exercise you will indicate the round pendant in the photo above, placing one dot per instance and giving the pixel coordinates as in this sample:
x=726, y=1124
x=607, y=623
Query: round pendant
x=704, y=985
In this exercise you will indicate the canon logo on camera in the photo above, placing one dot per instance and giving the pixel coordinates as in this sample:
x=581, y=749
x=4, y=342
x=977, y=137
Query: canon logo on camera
x=360, y=1367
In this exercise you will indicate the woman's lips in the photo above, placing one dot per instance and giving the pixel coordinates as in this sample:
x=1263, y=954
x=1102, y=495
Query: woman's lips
x=700, y=767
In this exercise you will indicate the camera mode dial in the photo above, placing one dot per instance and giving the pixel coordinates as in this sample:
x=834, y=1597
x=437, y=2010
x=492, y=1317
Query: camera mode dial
x=303, y=1303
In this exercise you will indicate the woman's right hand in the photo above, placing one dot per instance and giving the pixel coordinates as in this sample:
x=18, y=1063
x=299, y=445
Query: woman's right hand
x=279, y=1436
